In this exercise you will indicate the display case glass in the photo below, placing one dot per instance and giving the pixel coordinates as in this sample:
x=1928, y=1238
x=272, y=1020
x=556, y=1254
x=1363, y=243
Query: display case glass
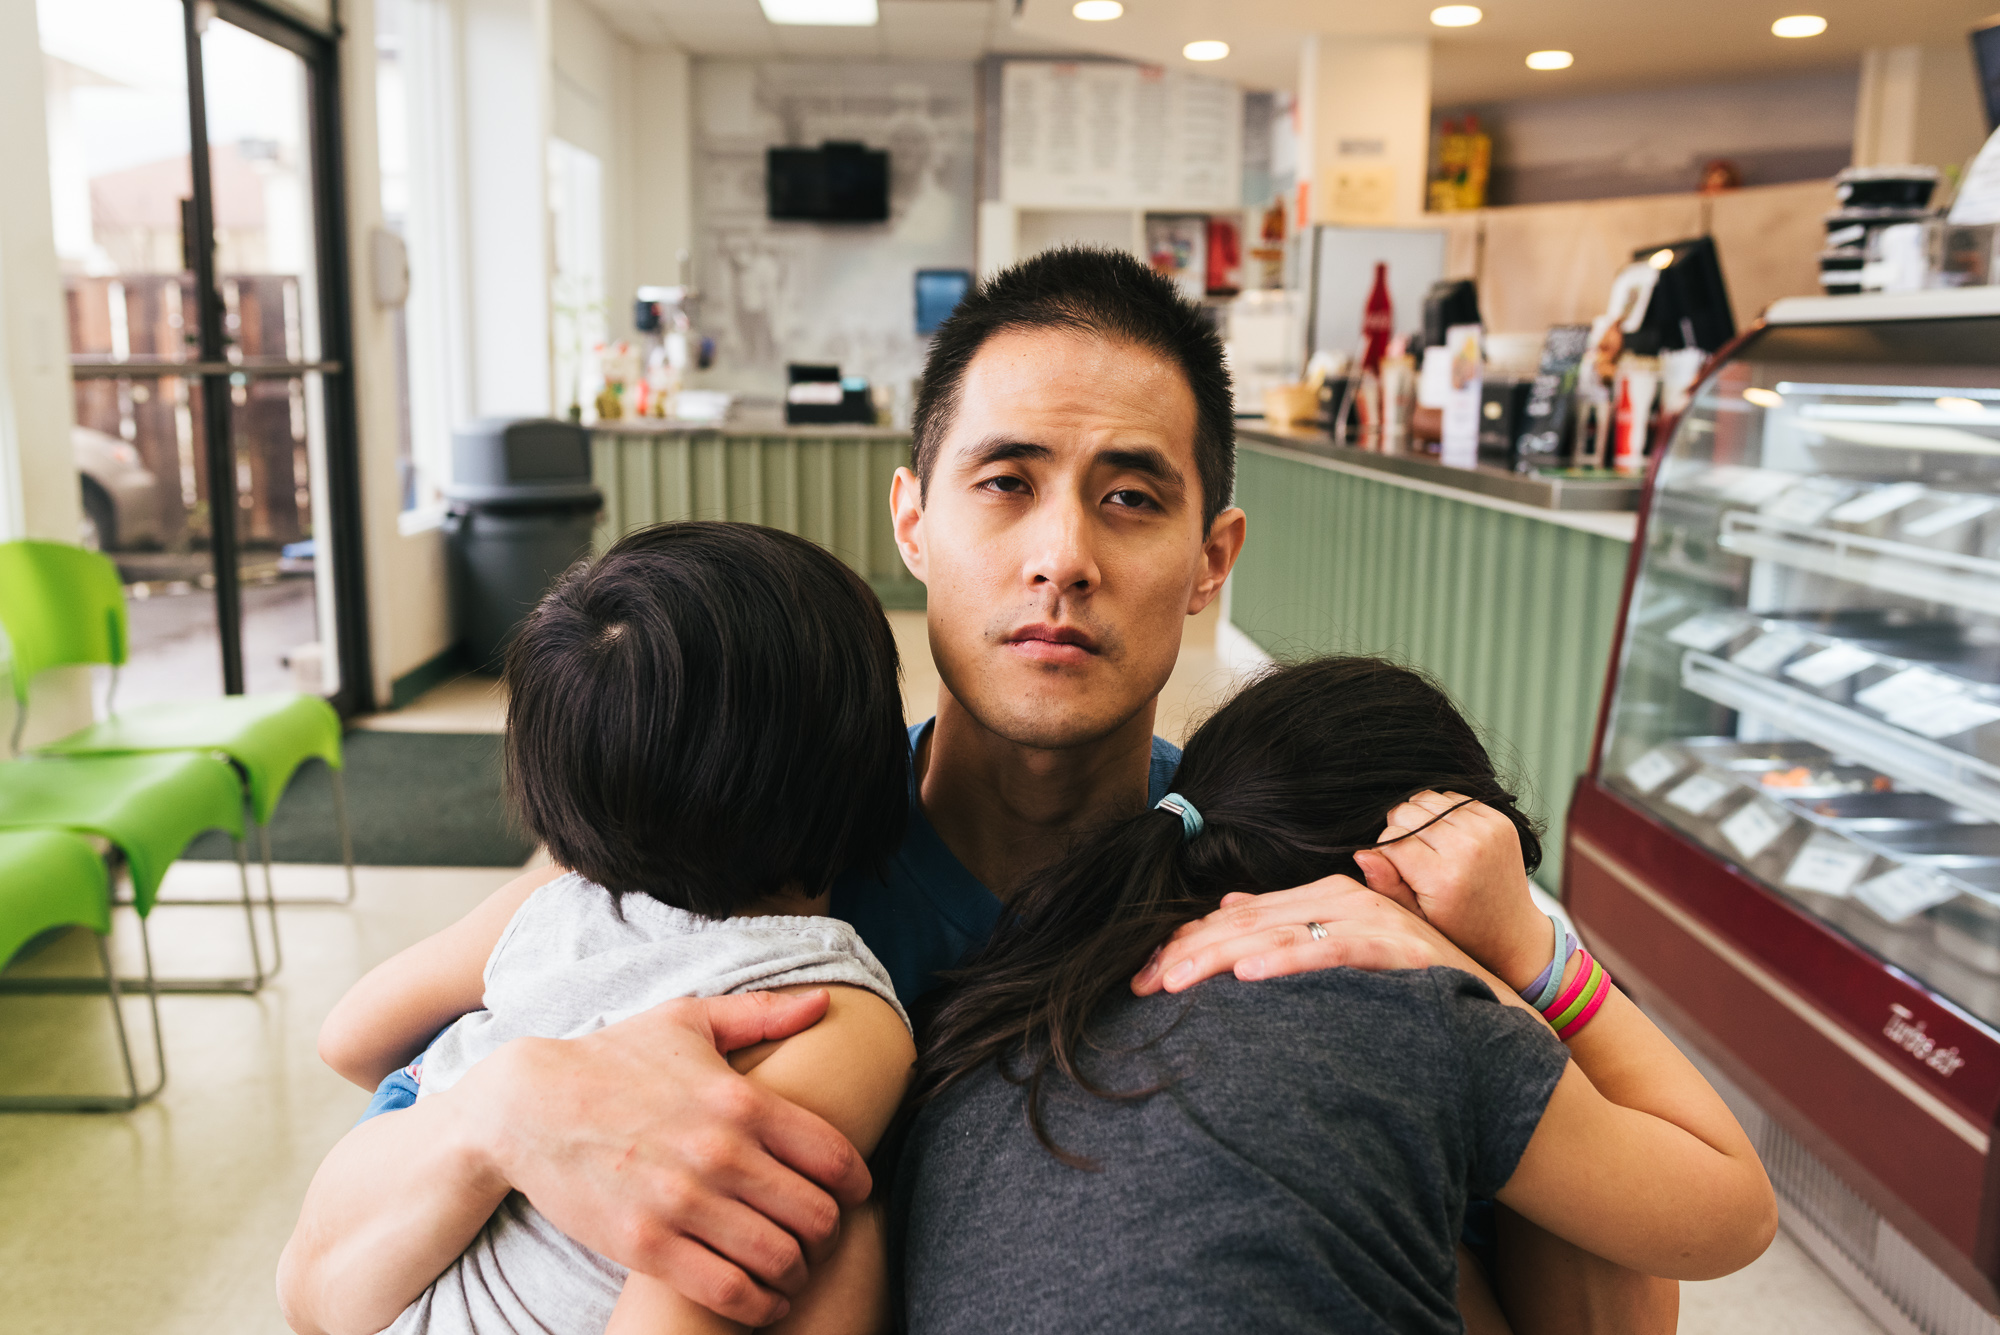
x=1809, y=684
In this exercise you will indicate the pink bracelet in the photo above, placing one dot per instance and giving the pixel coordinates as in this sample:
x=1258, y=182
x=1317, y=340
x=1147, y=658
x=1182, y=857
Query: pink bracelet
x=1575, y=1027
x=1575, y=988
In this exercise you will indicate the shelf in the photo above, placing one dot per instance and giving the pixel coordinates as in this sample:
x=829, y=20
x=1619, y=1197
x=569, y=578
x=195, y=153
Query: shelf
x=1911, y=760
x=1970, y=582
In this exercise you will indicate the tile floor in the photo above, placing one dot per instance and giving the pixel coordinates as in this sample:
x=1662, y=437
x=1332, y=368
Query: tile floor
x=169, y=1220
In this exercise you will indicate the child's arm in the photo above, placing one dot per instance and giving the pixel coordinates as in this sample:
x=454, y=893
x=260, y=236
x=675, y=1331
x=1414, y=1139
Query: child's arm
x=388, y=1017
x=851, y=1068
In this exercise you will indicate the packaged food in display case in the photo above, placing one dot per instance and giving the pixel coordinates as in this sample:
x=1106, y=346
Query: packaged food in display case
x=1788, y=844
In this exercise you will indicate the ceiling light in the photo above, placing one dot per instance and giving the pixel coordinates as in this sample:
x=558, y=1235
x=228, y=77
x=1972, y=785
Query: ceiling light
x=1456, y=16
x=1097, y=11
x=822, y=13
x=1550, y=60
x=1799, y=25
x=1205, y=50
x=1764, y=398
x=1951, y=403
x=1660, y=259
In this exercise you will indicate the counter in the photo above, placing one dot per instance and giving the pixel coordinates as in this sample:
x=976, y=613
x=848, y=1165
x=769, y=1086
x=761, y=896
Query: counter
x=1509, y=605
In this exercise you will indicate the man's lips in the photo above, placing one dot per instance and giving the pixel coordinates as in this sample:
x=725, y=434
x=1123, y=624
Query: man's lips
x=1052, y=644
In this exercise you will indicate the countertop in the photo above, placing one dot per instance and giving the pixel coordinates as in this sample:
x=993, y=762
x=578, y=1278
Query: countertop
x=1607, y=507
x=745, y=422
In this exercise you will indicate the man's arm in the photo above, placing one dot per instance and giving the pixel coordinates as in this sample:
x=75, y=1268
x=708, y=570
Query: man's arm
x=639, y=1141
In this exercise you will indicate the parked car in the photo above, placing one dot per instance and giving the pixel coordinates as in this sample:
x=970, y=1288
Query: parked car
x=121, y=501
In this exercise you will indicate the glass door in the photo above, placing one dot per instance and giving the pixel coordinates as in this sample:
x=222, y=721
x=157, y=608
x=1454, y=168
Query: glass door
x=214, y=445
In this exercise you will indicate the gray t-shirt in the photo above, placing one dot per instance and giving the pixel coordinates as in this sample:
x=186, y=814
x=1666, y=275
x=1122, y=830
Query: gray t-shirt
x=574, y=959
x=1306, y=1170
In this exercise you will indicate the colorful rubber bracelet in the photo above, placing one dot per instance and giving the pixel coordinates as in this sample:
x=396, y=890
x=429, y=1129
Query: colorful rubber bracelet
x=1575, y=1027
x=1575, y=1008
x=1538, y=993
x=1547, y=995
x=1575, y=988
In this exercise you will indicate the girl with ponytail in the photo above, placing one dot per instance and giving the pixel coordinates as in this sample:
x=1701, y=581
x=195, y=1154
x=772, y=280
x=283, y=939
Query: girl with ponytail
x=1295, y=1153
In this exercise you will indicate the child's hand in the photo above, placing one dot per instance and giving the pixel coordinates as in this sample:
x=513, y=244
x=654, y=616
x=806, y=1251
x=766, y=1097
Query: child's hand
x=1462, y=871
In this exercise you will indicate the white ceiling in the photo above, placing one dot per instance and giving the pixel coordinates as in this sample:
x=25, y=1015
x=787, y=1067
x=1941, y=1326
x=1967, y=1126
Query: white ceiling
x=1617, y=43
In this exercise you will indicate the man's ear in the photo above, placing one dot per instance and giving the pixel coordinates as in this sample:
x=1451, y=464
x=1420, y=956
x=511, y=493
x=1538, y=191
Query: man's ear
x=1218, y=554
x=906, y=504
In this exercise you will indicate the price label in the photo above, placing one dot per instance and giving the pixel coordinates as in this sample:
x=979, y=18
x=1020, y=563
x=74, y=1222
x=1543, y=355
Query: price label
x=1698, y=793
x=1707, y=632
x=1946, y=717
x=1654, y=768
x=1870, y=506
x=1907, y=690
x=1902, y=894
x=1829, y=666
x=1943, y=521
x=1768, y=650
x=1809, y=501
x=1828, y=864
x=1751, y=830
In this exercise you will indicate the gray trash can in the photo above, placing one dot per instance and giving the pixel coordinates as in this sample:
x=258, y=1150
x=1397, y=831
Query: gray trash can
x=519, y=511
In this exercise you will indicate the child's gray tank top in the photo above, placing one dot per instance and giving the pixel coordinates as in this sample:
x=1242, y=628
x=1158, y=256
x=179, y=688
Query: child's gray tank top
x=574, y=959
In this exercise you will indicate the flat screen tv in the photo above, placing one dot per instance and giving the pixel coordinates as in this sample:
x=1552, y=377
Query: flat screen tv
x=836, y=182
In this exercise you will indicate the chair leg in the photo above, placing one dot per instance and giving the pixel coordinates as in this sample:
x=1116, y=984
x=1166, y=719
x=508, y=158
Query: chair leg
x=271, y=901
x=341, y=900
x=134, y=1096
x=346, y=831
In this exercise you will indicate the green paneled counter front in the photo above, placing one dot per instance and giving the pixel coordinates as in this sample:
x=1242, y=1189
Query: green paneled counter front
x=830, y=484
x=1510, y=608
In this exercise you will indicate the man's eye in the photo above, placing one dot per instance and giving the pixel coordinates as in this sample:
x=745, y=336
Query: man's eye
x=1006, y=483
x=1137, y=500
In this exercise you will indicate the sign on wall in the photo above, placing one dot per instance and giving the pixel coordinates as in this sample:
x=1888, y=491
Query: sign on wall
x=1102, y=135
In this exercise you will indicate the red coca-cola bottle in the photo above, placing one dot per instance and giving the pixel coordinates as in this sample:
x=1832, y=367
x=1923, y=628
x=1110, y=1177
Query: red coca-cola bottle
x=1378, y=321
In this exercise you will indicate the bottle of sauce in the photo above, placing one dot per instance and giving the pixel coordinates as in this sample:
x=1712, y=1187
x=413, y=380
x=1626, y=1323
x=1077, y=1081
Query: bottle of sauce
x=1378, y=326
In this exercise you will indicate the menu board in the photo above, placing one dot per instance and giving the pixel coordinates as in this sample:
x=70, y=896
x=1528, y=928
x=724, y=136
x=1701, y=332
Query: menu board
x=1107, y=135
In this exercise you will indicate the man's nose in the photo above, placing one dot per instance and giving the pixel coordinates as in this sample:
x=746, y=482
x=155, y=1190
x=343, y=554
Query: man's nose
x=1062, y=551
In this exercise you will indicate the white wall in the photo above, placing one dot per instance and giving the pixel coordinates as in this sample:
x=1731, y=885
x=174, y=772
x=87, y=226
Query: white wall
x=38, y=486
x=843, y=293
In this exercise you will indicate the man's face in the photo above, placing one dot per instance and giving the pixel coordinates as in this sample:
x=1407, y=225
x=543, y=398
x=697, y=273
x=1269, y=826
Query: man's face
x=1061, y=539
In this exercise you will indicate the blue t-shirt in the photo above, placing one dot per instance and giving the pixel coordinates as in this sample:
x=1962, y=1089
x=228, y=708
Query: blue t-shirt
x=926, y=912
x=923, y=915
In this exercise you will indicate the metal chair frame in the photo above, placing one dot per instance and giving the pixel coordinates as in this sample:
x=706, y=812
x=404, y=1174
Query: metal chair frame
x=111, y=985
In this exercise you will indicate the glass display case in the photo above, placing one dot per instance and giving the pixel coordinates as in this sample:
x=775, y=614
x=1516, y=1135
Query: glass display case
x=1810, y=684
x=1790, y=837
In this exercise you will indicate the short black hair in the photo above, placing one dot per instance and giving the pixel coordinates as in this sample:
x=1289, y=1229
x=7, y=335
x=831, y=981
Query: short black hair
x=1085, y=290
x=708, y=713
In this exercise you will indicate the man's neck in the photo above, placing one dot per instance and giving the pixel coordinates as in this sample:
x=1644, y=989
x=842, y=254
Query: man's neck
x=1005, y=809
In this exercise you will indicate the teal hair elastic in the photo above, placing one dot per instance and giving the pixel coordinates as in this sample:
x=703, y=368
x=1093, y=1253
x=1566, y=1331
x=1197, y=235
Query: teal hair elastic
x=1180, y=806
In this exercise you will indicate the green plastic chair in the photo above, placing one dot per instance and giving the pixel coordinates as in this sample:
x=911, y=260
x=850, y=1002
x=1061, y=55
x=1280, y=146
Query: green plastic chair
x=62, y=605
x=51, y=879
x=149, y=808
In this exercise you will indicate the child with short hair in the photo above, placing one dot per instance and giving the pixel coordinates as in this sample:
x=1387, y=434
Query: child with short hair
x=705, y=727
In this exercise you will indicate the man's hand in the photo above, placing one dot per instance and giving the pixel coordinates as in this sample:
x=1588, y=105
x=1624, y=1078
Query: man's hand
x=1264, y=936
x=643, y=1144
x=1462, y=874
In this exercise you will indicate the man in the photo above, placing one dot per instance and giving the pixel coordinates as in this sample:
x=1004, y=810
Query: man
x=1068, y=511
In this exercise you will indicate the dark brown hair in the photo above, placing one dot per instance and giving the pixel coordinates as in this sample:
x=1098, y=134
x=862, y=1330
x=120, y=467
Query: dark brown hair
x=1292, y=778
x=1104, y=293
x=708, y=713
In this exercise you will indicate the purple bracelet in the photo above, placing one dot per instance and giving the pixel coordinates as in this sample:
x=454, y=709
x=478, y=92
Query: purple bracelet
x=1549, y=981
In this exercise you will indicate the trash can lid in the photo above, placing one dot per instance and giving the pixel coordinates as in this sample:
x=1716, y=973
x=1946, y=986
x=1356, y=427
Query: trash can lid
x=569, y=495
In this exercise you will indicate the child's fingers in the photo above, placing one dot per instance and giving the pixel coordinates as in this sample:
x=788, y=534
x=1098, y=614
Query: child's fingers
x=1385, y=880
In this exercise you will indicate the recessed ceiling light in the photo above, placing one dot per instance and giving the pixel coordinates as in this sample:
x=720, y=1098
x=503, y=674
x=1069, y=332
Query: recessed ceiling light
x=1456, y=16
x=1097, y=11
x=1550, y=60
x=1764, y=398
x=1799, y=25
x=822, y=13
x=1660, y=259
x=1205, y=50
x=1952, y=403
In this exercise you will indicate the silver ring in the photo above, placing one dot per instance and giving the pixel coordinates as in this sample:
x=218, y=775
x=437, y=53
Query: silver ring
x=1318, y=932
